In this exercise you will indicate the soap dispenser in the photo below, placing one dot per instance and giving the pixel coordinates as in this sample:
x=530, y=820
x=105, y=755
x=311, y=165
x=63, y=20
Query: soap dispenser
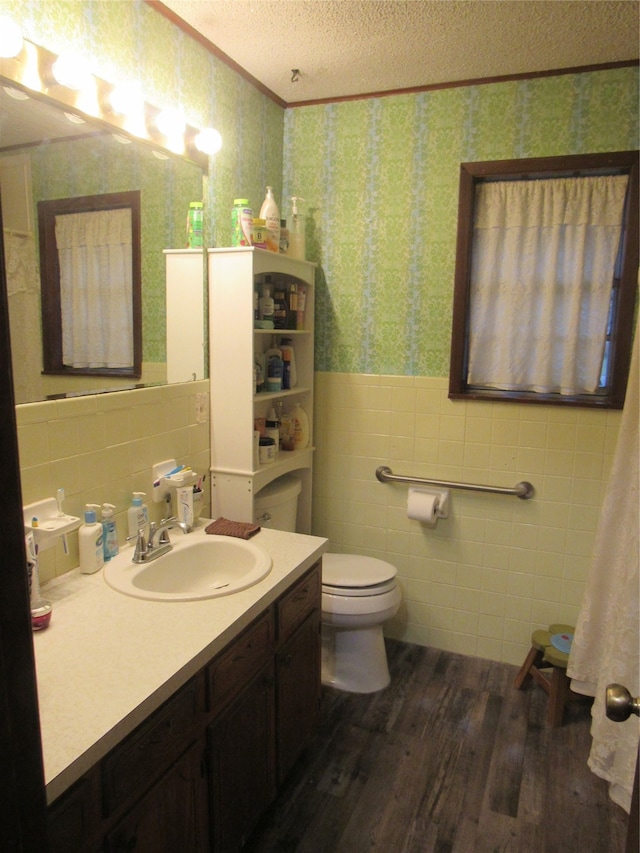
x=137, y=514
x=90, y=542
x=296, y=226
x=109, y=532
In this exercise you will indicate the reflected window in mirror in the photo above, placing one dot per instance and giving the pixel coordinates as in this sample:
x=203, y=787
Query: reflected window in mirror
x=545, y=287
x=90, y=273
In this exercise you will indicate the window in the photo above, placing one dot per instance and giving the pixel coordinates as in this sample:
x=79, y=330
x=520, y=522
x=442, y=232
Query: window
x=545, y=287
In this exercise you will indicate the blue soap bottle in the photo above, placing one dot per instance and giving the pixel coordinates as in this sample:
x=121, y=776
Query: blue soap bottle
x=109, y=532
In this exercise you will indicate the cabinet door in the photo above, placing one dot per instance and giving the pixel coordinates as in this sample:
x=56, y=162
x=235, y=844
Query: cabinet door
x=173, y=815
x=298, y=692
x=242, y=749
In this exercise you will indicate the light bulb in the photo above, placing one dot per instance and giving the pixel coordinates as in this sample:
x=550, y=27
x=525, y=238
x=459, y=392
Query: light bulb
x=10, y=38
x=170, y=122
x=71, y=70
x=208, y=141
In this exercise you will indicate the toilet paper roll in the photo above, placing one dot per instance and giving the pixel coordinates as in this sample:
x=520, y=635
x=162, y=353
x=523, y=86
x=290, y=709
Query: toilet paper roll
x=422, y=506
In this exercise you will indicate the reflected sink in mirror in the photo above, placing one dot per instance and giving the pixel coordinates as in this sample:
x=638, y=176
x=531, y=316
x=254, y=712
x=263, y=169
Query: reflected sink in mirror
x=198, y=566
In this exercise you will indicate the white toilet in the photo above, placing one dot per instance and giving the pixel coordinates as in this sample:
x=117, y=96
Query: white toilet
x=359, y=594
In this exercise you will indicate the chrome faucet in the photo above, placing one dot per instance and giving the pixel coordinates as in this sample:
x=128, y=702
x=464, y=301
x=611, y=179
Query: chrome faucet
x=158, y=542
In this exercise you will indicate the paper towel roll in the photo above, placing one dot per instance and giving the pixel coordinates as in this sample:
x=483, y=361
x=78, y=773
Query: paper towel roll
x=422, y=506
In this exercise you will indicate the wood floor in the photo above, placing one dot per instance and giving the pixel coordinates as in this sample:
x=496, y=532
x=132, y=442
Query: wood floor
x=449, y=759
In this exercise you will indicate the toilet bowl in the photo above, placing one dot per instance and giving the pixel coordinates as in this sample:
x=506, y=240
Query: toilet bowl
x=359, y=594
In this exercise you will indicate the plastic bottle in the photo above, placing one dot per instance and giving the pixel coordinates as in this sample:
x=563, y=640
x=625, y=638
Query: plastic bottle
x=90, y=542
x=296, y=226
x=259, y=233
x=284, y=237
x=241, y=222
x=109, y=532
x=137, y=514
x=272, y=427
x=266, y=305
x=195, y=225
x=270, y=213
x=280, y=308
x=300, y=427
x=275, y=368
x=290, y=374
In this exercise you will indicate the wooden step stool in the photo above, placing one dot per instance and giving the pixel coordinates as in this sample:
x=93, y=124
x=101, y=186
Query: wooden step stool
x=544, y=655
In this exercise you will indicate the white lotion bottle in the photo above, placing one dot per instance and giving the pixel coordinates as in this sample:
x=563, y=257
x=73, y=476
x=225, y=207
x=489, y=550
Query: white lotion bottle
x=137, y=514
x=90, y=542
x=271, y=215
x=109, y=532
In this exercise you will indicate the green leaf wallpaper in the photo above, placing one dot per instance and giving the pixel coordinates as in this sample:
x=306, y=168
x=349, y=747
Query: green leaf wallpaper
x=381, y=181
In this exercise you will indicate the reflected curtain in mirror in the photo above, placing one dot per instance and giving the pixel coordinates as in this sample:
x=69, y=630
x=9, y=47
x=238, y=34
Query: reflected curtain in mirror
x=94, y=250
x=90, y=275
x=545, y=287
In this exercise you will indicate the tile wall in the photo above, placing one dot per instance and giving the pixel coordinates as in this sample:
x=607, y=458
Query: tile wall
x=498, y=567
x=102, y=447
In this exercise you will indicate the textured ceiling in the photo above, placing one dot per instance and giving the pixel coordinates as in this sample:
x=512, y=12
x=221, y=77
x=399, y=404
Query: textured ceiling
x=354, y=47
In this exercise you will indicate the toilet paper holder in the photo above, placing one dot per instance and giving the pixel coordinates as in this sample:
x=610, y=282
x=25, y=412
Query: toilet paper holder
x=436, y=499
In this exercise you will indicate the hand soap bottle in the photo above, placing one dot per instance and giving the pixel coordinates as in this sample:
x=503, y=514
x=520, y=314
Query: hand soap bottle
x=109, y=532
x=90, y=542
x=137, y=514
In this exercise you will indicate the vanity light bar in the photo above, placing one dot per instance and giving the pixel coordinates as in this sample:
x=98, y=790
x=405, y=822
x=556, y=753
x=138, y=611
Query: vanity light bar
x=31, y=70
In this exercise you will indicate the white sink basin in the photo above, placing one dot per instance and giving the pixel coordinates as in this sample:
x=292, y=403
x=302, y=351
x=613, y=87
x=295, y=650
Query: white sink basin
x=199, y=566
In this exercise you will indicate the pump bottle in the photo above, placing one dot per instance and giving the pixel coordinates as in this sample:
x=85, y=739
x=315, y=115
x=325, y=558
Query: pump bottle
x=109, y=532
x=270, y=213
x=90, y=546
x=296, y=226
x=137, y=514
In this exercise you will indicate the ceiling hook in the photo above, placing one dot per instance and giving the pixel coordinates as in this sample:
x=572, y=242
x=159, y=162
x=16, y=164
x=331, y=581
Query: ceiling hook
x=295, y=75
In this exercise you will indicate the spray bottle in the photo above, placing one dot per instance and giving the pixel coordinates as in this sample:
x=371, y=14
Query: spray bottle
x=296, y=226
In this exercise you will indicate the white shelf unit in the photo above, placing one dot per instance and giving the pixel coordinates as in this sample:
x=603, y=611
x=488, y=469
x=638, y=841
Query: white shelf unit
x=185, y=314
x=235, y=480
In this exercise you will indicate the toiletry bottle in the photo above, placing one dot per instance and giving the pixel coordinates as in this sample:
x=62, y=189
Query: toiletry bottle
x=275, y=368
x=266, y=303
x=90, y=542
x=300, y=427
x=280, y=309
x=137, y=514
x=270, y=213
x=272, y=427
x=109, y=532
x=40, y=607
x=195, y=225
x=241, y=222
x=289, y=374
x=302, y=304
x=293, y=305
x=295, y=224
x=284, y=237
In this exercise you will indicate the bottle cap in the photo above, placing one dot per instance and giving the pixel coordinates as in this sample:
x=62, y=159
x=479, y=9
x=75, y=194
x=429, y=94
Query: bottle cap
x=107, y=510
x=242, y=201
x=196, y=204
x=137, y=498
x=90, y=513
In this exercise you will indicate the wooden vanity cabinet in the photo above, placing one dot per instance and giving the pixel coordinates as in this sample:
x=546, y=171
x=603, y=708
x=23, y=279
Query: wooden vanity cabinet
x=198, y=773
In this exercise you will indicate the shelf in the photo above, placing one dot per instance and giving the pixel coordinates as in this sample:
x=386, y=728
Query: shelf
x=263, y=396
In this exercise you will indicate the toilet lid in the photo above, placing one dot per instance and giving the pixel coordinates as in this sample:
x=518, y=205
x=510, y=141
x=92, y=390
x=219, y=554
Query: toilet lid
x=355, y=571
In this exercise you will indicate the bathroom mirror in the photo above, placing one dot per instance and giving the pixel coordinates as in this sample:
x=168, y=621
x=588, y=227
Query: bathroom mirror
x=54, y=158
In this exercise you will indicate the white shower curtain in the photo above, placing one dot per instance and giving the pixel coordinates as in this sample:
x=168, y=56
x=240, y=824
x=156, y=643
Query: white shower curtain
x=606, y=644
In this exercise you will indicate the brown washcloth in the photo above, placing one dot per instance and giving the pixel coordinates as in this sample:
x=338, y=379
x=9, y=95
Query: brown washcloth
x=239, y=529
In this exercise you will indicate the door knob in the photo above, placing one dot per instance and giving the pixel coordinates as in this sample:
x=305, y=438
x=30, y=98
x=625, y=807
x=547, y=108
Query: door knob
x=620, y=704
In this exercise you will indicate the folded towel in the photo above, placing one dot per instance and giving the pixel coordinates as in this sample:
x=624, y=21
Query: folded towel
x=239, y=529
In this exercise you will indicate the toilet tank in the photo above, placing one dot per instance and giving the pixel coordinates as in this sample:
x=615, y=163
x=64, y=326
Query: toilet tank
x=276, y=505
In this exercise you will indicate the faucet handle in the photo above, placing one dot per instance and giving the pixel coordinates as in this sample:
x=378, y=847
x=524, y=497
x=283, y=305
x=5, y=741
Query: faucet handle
x=141, y=545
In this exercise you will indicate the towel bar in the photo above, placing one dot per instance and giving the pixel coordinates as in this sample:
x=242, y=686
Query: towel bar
x=523, y=490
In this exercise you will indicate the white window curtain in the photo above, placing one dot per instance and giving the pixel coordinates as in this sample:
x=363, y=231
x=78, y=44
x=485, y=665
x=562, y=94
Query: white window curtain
x=95, y=252
x=543, y=265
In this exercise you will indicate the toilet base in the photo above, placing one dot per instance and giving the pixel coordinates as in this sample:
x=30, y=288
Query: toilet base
x=354, y=660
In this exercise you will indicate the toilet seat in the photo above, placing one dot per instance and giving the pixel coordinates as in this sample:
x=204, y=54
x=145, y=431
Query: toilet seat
x=353, y=575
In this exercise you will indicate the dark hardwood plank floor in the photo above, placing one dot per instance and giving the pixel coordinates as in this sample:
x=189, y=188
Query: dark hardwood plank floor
x=451, y=758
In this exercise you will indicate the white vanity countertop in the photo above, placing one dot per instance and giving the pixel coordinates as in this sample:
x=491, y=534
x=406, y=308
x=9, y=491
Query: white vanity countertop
x=108, y=660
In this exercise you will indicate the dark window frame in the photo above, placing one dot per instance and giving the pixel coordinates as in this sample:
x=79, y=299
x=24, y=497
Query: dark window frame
x=471, y=174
